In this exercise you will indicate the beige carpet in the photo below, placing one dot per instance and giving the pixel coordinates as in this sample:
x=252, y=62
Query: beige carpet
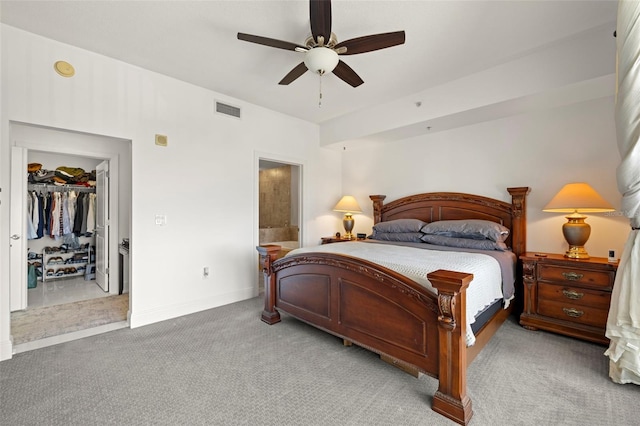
x=38, y=323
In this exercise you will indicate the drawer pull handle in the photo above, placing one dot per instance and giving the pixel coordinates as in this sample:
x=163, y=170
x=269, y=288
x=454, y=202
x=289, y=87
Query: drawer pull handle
x=570, y=294
x=572, y=276
x=574, y=313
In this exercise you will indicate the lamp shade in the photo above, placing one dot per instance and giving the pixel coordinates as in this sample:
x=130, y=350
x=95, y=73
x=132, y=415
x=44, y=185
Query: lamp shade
x=578, y=197
x=347, y=204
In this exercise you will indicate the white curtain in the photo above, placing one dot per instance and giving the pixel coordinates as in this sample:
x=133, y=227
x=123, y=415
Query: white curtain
x=623, y=324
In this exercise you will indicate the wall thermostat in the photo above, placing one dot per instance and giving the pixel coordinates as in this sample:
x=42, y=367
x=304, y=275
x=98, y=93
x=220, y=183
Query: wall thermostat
x=612, y=256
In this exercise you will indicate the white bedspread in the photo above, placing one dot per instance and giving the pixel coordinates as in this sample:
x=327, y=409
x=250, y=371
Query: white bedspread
x=417, y=263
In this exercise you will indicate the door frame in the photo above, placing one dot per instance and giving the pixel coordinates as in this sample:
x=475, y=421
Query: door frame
x=285, y=160
x=114, y=167
x=18, y=227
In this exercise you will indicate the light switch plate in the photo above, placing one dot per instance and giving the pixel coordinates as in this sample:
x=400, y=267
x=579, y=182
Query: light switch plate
x=161, y=219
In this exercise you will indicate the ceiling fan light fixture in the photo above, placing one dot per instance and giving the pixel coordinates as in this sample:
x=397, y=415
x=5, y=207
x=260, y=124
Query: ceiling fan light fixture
x=321, y=60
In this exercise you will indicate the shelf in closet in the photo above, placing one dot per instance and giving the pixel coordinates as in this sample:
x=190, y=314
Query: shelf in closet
x=58, y=263
x=31, y=186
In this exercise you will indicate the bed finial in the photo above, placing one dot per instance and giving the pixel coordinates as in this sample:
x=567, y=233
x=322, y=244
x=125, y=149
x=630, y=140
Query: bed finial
x=377, y=207
x=519, y=218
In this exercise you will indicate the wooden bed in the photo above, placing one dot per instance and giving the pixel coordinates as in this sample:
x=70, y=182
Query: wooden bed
x=390, y=314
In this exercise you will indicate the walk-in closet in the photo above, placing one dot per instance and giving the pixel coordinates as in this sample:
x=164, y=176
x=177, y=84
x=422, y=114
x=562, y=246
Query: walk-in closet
x=61, y=223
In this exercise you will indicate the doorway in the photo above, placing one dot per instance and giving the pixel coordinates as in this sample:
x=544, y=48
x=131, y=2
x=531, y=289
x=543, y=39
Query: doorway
x=111, y=159
x=279, y=204
x=62, y=256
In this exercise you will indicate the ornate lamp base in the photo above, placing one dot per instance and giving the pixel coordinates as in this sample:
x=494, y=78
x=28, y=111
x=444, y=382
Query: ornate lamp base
x=348, y=223
x=577, y=233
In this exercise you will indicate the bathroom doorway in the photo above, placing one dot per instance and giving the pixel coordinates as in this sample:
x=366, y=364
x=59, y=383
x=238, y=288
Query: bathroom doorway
x=279, y=215
x=279, y=203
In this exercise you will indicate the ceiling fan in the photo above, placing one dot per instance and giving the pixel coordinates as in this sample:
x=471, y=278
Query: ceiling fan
x=322, y=48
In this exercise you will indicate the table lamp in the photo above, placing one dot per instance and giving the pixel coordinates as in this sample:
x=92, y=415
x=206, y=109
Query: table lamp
x=577, y=198
x=348, y=205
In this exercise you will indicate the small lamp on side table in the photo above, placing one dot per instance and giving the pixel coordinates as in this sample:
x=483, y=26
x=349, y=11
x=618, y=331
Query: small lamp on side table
x=348, y=205
x=577, y=198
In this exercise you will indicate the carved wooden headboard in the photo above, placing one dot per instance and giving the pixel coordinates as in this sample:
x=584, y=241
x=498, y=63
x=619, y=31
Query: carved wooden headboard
x=434, y=206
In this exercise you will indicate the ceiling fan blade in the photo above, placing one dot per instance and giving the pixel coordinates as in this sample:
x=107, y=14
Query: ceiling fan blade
x=271, y=42
x=346, y=74
x=371, y=42
x=300, y=69
x=320, y=17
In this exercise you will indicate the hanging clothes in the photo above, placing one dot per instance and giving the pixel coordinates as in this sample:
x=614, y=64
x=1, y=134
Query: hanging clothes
x=60, y=213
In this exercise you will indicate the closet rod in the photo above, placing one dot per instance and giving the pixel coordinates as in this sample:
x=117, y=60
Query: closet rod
x=60, y=188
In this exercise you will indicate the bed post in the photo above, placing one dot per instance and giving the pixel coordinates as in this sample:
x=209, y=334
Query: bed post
x=377, y=207
x=519, y=219
x=268, y=254
x=451, y=399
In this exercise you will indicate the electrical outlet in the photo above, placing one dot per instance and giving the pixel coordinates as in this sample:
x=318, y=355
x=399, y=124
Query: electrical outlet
x=205, y=272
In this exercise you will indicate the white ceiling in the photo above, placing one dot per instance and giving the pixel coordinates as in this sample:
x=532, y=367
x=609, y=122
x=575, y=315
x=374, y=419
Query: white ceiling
x=195, y=41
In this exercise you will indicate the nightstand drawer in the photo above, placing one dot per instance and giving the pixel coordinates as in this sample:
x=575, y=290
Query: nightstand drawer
x=575, y=275
x=574, y=295
x=574, y=313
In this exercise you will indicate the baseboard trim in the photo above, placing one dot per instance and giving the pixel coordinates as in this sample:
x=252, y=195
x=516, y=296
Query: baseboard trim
x=163, y=313
x=6, y=350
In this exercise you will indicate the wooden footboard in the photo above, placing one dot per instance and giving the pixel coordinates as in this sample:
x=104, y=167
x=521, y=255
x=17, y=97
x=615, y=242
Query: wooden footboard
x=380, y=310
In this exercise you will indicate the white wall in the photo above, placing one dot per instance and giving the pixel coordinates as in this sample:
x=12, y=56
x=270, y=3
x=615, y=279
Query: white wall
x=205, y=181
x=543, y=150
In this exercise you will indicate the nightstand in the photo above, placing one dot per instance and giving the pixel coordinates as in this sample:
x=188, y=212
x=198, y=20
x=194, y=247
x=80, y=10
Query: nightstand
x=330, y=240
x=567, y=296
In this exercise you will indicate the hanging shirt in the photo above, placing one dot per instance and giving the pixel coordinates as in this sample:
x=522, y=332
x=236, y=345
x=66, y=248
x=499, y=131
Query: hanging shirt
x=65, y=221
x=85, y=202
x=71, y=211
x=77, y=220
x=42, y=219
x=31, y=229
x=91, y=213
x=56, y=210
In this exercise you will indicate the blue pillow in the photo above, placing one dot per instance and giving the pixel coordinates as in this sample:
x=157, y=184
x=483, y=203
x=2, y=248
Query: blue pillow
x=476, y=229
x=469, y=243
x=405, y=237
x=399, y=225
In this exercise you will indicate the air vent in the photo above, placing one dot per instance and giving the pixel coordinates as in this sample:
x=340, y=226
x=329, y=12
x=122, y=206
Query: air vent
x=227, y=110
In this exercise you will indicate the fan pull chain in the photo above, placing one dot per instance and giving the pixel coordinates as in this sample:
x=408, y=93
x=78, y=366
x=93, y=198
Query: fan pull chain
x=320, y=93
